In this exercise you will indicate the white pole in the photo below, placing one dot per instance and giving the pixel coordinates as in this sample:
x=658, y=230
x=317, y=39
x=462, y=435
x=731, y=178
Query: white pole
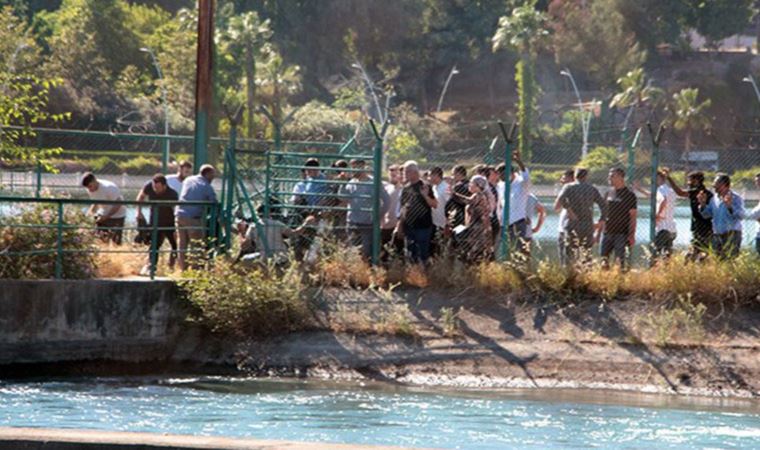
x=453, y=72
x=584, y=122
x=751, y=79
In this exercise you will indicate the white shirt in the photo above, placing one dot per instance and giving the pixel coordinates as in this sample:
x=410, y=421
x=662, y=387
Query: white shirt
x=108, y=191
x=531, y=208
x=755, y=215
x=439, y=212
x=272, y=232
x=500, y=202
x=666, y=194
x=175, y=183
x=518, y=197
x=390, y=219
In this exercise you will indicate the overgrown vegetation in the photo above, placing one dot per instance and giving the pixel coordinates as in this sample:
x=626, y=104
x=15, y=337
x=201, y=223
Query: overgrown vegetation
x=28, y=244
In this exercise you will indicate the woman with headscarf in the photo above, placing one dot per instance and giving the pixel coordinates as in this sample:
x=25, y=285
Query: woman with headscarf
x=478, y=240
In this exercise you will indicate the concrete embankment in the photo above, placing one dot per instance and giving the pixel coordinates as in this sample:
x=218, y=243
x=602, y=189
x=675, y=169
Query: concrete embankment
x=58, y=322
x=58, y=439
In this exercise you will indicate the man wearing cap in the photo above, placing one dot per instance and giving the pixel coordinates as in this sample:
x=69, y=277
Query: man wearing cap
x=109, y=218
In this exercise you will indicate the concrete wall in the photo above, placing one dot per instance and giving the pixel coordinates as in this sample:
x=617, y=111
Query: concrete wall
x=54, y=321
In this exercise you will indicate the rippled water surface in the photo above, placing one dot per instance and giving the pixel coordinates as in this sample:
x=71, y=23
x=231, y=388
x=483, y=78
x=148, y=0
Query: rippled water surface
x=373, y=414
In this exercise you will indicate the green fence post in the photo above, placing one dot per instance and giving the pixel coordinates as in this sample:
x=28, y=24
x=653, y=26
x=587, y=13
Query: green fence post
x=39, y=180
x=59, y=244
x=153, y=241
x=655, y=166
x=377, y=161
x=509, y=138
x=267, y=182
x=165, y=155
x=230, y=171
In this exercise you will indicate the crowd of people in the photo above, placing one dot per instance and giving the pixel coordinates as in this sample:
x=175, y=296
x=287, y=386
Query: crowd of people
x=423, y=214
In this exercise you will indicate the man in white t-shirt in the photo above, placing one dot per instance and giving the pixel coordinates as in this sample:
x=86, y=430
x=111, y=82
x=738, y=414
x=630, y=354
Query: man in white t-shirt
x=109, y=218
x=665, y=221
x=184, y=170
x=441, y=193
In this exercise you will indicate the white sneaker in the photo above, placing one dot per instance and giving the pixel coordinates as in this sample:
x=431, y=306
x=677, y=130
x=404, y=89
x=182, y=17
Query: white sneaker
x=145, y=271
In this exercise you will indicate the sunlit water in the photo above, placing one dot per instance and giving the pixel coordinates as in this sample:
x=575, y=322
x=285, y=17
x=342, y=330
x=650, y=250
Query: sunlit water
x=312, y=411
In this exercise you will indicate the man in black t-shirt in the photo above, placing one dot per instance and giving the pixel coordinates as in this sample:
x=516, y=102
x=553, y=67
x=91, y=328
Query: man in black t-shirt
x=158, y=190
x=416, y=219
x=620, y=228
x=701, y=228
x=455, y=206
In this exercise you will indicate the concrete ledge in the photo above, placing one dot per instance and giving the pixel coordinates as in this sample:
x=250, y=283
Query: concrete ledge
x=62, y=439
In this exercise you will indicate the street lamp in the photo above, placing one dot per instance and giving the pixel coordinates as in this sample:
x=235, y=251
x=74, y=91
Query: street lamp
x=585, y=118
x=371, y=87
x=453, y=72
x=750, y=79
x=165, y=159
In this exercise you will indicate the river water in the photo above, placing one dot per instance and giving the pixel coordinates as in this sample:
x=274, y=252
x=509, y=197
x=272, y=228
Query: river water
x=378, y=414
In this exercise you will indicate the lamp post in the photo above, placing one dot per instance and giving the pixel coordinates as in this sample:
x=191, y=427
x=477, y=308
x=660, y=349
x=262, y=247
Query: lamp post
x=584, y=120
x=750, y=79
x=453, y=72
x=165, y=158
x=371, y=87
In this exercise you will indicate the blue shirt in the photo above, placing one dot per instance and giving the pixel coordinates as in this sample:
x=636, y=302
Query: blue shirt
x=724, y=220
x=316, y=185
x=195, y=189
x=359, y=205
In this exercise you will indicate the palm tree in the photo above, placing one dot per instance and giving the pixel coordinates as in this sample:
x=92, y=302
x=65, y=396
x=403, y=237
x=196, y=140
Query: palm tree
x=635, y=91
x=688, y=115
x=277, y=81
x=523, y=31
x=250, y=33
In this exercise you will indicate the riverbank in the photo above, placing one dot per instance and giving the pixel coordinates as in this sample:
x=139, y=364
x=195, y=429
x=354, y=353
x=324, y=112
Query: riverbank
x=424, y=337
x=494, y=342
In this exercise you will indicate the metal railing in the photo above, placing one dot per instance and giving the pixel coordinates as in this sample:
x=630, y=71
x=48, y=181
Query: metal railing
x=209, y=225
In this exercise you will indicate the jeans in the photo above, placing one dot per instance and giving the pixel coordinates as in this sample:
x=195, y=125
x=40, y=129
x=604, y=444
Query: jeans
x=577, y=244
x=727, y=245
x=111, y=229
x=360, y=235
x=617, y=244
x=165, y=235
x=418, y=243
x=517, y=236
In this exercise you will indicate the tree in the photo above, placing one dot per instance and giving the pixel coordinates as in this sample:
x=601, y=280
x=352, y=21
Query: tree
x=277, y=81
x=688, y=115
x=719, y=19
x=523, y=30
x=248, y=33
x=90, y=47
x=593, y=40
x=635, y=91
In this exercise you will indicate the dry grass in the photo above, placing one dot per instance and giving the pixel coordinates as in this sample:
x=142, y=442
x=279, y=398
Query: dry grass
x=118, y=265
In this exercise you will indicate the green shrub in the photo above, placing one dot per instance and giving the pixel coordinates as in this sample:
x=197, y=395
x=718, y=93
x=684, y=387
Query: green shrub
x=29, y=252
x=104, y=164
x=141, y=166
x=244, y=301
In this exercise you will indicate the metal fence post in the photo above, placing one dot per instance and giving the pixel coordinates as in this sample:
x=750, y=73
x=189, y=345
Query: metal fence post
x=509, y=138
x=153, y=241
x=377, y=161
x=165, y=155
x=267, y=182
x=655, y=166
x=59, y=244
x=39, y=180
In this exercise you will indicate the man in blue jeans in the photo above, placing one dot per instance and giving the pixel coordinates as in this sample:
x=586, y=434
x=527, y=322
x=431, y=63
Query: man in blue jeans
x=620, y=228
x=416, y=220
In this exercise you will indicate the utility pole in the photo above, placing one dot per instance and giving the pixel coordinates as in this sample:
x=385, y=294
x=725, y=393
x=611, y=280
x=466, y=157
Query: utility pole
x=204, y=80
